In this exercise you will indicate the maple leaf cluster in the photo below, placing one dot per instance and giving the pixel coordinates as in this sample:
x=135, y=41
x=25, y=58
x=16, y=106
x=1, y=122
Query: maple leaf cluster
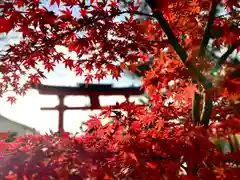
x=194, y=98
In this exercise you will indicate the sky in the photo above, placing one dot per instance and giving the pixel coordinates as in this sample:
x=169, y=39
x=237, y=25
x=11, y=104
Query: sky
x=27, y=109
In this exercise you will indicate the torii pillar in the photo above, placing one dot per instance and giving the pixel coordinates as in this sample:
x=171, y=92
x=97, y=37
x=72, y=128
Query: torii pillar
x=92, y=90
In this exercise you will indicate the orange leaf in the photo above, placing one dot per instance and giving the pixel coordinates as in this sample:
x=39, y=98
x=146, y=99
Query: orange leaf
x=107, y=177
x=151, y=165
x=133, y=156
x=189, y=91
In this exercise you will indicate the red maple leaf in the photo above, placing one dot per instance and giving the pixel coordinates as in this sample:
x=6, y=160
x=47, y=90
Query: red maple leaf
x=93, y=123
x=78, y=71
x=5, y=25
x=34, y=79
x=88, y=78
x=67, y=14
x=136, y=126
x=55, y=1
x=11, y=99
x=151, y=165
x=83, y=12
x=69, y=63
x=151, y=141
x=113, y=3
x=49, y=66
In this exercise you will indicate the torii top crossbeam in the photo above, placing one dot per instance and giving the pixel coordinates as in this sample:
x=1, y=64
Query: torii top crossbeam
x=92, y=90
x=82, y=89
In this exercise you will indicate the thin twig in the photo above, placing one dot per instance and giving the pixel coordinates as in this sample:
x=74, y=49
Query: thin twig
x=226, y=54
x=183, y=167
x=229, y=13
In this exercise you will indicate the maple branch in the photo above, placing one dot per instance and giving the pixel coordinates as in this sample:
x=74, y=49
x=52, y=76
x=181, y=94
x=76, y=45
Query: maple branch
x=195, y=72
x=88, y=22
x=229, y=13
x=207, y=33
x=226, y=54
x=175, y=44
x=140, y=13
x=94, y=20
x=183, y=167
x=196, y=108
x=207, y=109
x=166, y=28
x=164, y=158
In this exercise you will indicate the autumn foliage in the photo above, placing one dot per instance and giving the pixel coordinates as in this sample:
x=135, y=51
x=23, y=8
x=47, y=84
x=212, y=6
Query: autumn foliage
x=194, y=94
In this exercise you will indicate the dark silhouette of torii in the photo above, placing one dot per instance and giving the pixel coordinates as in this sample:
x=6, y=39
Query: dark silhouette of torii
x=91, y=90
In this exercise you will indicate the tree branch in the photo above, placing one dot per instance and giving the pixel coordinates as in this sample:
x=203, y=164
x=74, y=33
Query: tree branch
x=226, y=54
x=86, y=22
x=208, y=104
x=166, y=28
x=94, y=20
x=191, y=68
x=175, y=44
x=196, y=108
x=183, y=167
x=207, y=109
x=141, y=13
x=207, y=33
x=229, y=13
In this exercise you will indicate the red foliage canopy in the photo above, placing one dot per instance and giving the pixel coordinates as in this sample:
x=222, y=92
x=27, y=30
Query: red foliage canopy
x=166, y=140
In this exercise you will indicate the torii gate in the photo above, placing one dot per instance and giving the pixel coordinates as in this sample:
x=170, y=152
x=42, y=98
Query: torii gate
x=92, y=90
